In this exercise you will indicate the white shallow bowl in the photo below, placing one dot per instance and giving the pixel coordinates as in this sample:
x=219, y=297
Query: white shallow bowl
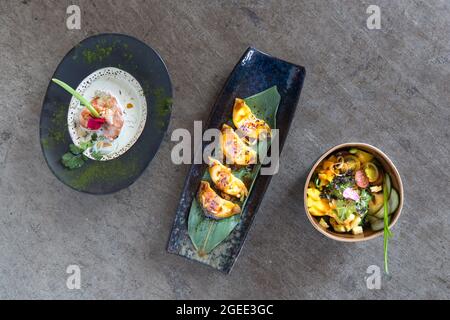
x=126, y=89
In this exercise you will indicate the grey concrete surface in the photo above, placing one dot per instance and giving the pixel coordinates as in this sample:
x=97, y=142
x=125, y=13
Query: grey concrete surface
x=387, y=87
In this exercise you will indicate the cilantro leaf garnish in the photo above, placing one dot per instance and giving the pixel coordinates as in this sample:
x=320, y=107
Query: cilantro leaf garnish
x=75, y=150
x=75, y=159
x=72, y=161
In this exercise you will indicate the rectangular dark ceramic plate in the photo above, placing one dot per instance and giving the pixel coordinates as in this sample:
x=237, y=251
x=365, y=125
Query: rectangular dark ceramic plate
x=255, y=72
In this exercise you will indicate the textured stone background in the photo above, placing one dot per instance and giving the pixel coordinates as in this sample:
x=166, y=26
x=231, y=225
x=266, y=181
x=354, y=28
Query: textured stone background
x=389, y=88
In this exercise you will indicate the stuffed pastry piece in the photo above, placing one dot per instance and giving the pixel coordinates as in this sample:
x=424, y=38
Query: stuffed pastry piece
x=225, y=181
x=213, y=205
x=249, y=126
x=235, y=150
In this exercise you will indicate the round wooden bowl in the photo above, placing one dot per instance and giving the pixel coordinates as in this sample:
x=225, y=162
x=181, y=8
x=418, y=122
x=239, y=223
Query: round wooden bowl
x=388, y=167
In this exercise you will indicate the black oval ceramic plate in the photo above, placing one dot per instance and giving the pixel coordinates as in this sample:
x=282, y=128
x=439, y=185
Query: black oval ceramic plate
x=144, y=64
x=254, y=72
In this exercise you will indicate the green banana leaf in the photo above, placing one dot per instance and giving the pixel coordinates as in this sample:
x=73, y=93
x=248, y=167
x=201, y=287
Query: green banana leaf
x=207, y=233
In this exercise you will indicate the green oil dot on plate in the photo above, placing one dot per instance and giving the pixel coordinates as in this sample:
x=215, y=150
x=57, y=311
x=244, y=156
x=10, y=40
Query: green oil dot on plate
x=163, y=106
x=98, y=54
x=57, y=128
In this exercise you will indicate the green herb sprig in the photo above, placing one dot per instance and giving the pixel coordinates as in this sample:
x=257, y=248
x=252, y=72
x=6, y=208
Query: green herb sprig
x=362, y=205
x=387, y=232
x=82, y=99
x=75, y=158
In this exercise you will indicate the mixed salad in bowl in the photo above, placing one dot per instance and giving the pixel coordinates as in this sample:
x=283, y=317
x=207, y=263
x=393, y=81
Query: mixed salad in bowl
x=346, y=192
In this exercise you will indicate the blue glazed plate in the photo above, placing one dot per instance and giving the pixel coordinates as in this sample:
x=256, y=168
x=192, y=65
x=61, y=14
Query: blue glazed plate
x=255, y=72
x=138, y=60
